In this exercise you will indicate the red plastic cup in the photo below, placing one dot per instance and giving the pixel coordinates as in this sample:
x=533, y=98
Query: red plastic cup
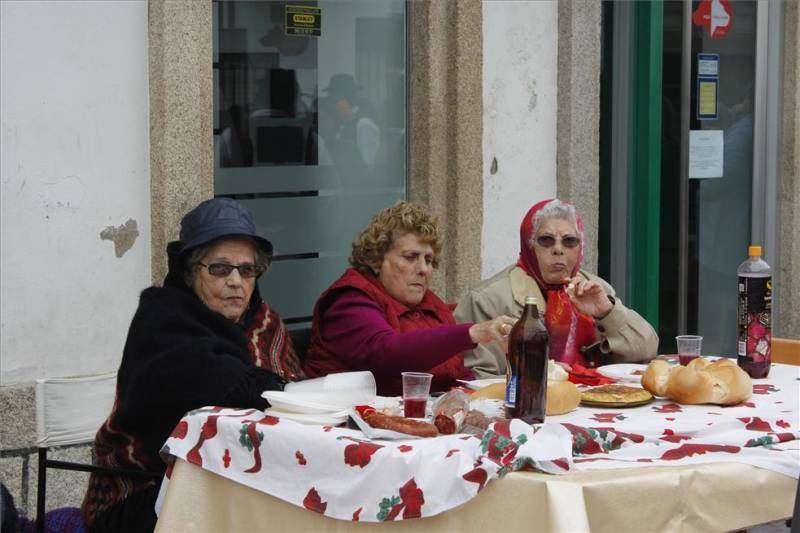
x=416, y=388
x=689, y=347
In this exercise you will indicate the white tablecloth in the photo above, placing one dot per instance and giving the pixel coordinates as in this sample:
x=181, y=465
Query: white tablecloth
x=704, y=497
x=339, y=473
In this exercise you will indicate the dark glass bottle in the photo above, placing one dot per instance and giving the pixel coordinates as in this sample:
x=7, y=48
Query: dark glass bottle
x=526, y=382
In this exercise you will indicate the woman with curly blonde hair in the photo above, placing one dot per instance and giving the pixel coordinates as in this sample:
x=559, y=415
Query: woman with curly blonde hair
x=381, y=315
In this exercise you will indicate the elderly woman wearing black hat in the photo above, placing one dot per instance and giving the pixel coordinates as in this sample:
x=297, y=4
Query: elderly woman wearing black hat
x=205, y=338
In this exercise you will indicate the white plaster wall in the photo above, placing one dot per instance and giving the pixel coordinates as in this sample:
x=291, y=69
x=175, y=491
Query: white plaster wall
x=73, y=160
x=520, y=49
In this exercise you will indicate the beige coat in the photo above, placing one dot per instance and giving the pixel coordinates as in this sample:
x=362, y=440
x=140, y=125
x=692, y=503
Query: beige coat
x=625, y=335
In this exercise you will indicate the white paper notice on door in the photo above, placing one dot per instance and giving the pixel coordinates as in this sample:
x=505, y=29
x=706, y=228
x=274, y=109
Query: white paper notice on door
x=706, y=150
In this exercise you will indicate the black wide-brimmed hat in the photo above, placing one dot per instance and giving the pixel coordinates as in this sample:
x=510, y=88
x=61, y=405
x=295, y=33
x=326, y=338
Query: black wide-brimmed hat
x=342, y=86
x=215, y=218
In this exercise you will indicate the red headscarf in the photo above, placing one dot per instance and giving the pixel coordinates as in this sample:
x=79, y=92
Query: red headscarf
x=569, y=329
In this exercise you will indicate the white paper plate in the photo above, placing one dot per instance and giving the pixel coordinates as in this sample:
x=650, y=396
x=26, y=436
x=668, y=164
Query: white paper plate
x=488, y=406
x=323, y=419
x=477, y=384
x=294, y=403
x=342, y=382
x=623, y=372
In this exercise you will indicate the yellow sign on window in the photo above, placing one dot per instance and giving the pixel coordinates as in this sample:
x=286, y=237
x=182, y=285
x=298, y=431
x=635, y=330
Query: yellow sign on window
x=303, y=21
x=707, y=98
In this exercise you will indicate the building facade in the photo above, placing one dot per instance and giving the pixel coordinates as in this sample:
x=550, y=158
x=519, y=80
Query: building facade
x=108, y=128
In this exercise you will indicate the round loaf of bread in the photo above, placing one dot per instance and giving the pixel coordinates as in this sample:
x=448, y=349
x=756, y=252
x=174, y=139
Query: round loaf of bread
x=495, y=391
x=656, y=377
x=562, y=396
x=720, y=382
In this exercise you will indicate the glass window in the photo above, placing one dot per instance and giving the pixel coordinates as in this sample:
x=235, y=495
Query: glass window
x=309, y=129
x=720, y=207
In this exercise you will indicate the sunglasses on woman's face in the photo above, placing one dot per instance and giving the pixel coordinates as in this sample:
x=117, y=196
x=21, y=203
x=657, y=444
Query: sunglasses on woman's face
x=223, y=270
x=548, y=241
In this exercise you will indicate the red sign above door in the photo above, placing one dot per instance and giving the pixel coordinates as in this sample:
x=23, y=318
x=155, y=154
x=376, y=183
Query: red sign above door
x=716, y=14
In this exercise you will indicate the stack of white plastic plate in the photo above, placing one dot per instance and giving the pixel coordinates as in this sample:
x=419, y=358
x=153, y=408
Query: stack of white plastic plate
x=324, y=400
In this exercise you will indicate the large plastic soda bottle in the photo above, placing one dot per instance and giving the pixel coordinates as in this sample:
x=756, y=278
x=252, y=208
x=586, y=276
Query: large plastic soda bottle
x=528, y=349
x=754, y=319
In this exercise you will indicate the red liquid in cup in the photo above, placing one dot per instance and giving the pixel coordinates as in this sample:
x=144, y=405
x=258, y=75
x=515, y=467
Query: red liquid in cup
x=684, y=359
x=414, y=407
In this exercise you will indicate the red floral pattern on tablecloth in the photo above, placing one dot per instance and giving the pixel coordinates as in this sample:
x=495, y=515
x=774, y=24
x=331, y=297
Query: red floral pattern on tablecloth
x=764, y=388
x=409, y=501
x=688, y=450
x=180, y=430
x=360, y=453
x=756, y=431
x=340, y=473
x=668, y=408
x=313, y=502
x=671, y=436
x=477, y=475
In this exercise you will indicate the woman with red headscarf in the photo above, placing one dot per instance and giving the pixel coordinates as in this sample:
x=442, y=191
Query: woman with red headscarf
x=581, y=312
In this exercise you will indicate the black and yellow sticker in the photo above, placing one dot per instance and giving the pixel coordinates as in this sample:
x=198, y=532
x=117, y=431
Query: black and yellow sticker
x=302, y=20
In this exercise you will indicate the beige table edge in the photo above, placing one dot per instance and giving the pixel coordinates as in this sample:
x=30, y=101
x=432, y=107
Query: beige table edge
x=706, y=497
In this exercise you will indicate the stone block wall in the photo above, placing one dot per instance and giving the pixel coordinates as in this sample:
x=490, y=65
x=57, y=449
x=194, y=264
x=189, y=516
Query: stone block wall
x=19, y=469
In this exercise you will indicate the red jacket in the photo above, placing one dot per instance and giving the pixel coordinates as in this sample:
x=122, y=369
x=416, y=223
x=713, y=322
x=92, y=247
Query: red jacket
x=432, y=312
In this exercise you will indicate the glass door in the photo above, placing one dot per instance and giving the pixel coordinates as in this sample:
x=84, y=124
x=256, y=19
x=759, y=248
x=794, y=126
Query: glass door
x=309, y=129
x=711, y=180
x=709, y=203
x=720, y=199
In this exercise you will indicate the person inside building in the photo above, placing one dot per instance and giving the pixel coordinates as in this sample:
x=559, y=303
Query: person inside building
x=206, y=337
x=587, y=323
x=353, y=140
x=382, y=316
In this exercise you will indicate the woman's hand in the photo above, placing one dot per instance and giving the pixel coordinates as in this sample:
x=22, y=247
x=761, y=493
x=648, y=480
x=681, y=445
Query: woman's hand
x=588, y=297
x=492, y=330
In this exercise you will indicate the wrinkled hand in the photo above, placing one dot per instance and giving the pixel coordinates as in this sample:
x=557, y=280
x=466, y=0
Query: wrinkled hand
x=588, y=297
x=493, y=330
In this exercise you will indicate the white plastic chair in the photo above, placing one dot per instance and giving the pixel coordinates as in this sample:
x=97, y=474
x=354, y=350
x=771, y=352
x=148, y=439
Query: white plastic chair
x=69, y=411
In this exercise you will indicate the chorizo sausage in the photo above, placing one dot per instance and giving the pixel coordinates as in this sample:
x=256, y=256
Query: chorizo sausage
x=400, y=424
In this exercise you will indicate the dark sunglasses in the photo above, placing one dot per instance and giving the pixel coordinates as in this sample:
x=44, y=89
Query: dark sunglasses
x=223, y=270
x=547, y=241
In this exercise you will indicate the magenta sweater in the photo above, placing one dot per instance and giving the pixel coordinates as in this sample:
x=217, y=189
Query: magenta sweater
x=356, y=329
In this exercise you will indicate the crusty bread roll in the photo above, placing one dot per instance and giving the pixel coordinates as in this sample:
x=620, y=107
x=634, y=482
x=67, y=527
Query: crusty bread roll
x=562, y=397
x=496, y=391
x=721, y=382
x=656, y=377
